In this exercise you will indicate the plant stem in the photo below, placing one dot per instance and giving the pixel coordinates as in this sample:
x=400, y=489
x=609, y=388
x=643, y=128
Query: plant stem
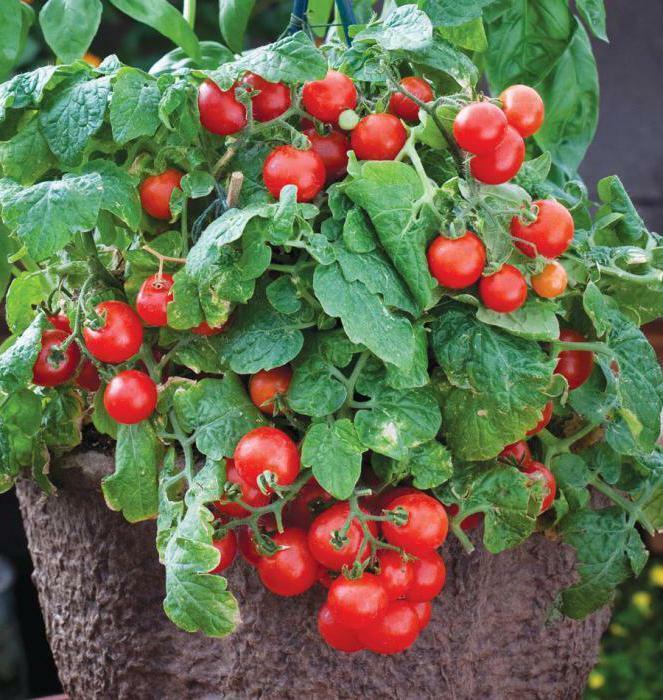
x=189, y=12
x=629, y=506
x=94, y=263
x=186, y=447
x=599, y=348
x=461, y=534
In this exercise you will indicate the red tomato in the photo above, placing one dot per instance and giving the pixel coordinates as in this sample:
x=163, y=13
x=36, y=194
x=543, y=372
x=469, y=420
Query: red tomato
x=574, y=365
x=326, y=99
x=88, y=377
x=457, y=262
x=120, y=336
x=272, y=101
x=156, y=191
x=325, y=578
x=333, y=149
x=426, y=527
x=523, y=108
x=429, y=576
x=266, y=385
x=153, y=298
x=395, y=574
x=220, y=112
x=546, y=415
x=378, y=137
x=470, y=523
x=301, y=511
x=394, y=631
x=292, y=570
x=286, y=165
x=550, y=235
x=251, y=495
x=61, y=323
x=405, y=108
x=336, y=635
x=551, y=281
x=503, y=163
x=130, y=397
x=267, y=449
x=518, y=453
x=203, y=328
x=424, y=612
x=247, y=545
x=505, y=290
x=538, y=471
x=53, y=366
x=357, y=602
x=227, y=548
x=480, y=127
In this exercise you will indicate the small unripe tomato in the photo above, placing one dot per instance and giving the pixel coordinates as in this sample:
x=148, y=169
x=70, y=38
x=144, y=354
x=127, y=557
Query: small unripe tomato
x=156, y=191
x=457, y=262
x=220, y=111
x=287, y=165
x=551, y=281
x=130, y=397
x=523, y=108
x=153, y=298
x=405, y=108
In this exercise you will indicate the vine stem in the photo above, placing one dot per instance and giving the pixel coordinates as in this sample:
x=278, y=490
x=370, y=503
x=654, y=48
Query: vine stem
x=163, y=258
x=629, y=506
x=599, y=348
x=189, y=12
x=186, y=447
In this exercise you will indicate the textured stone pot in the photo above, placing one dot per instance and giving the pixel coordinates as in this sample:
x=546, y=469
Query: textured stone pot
x=101, y=590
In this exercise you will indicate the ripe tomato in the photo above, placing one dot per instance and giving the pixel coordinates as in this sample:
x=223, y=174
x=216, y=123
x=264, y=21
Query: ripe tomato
x=503, y=163
x=357, y=602
x=405, y=108
x=395, y=574
x=266, y=385
x=470, y=523
x=130, y=397
x=546, y=415
x=88, y=377
x=378, y=137
x=429, y=576
x=325, y=578
x=251, y=495
x=272, y=101
x=394, y=631
x=227, y=548
x=505, y=290
x=286, y=165
x=517, y=453
x=203, y=328
x=538, y=471
x=292, y=570
x=333, y=149
x=424, y=612
x=61, y=323
x=480, y=127
x=574, y=365
x=153, y=298
x=53, y=366
x=336, y=635
x=326, y=99
x=156, y=191
x=247, y=545
x=551, y=281
x=120, y=336
x=267, y=449
x=426, y=527
x=220, y=111
x=457, y=262
x=523, y=108
x=550, y=235
x=301, y=511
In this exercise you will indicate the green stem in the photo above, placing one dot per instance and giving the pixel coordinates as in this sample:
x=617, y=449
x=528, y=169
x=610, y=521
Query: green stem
x=94, y=263
x=189, y=12
x=599, y=348
x=461, y=534
x=629, y=506
x=186, y=447
x=184, y=228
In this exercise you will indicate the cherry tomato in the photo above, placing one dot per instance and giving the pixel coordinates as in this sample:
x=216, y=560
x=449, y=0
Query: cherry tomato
x=405, y=108
x=424, y=612
x=357, y=602
x=301, y=511
x=325, y=578
x=394, y=631
x=267, y=449
x=426, y=527
x=272, y=101
x=546, y=415
x=551, y=281
x=503, y=163
x=505, y=290
x=574, y=365
x=550, y=235
x=247, y=545
x=326, y=99
x=517, y=453
x=227, y=548
x=286, y=165
x=251, y=495
x=429, y=576
x=538, y=471
x=457, y=262
x=523, y=108
x=61, y=323
x=130, y=397
x=266, y=385
x=333, y=149
x=395, y=573
x=336, y=635
x=88, y=378
x=480, y=127
x=220, y=111
x=292, y=570
x=120, y=336
x=156, y=191
x=53, y=366
x=378, y=137
x=153, y=298
x=203, y=328
x=470, y=523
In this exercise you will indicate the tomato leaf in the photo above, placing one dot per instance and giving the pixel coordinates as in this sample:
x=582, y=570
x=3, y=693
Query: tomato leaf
x=11, y=35
x=25, y=293
x=134, y=110
x=26, y=156
x=17, y=361
x=429, y=465
x=233, y=19
x=69, y=26
x=120, y=194
x=63, y=420
x=536, y=320
x=593, y=13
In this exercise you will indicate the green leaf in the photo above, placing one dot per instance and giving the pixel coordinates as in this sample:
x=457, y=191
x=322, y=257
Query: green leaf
x=334, y=452
x=134, y=110
x=572, y=476
x=132, y=489
x=69, y=26
x=17, y=361
x=469, y=35
x=25, y=293
x=26, y=89
x=630, y=227
x=593, y=14
x=11, y=29
x=441, y=56
x=120, y=192
x=63, y=420
x=283, y=295
x=404, y=28
x=233, y=19
x=26, y=156
x=596, y=307
x=416, y=374
x=212, y=55
x=452, y=13
x=184, y=311
x=430, y=465
x=536, y=320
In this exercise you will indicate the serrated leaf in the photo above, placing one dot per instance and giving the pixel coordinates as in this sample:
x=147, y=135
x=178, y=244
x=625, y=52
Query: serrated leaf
x=25, y=293
x=134, y=110
x=26, y=156
x=17, y=361
x=120, y=193
x=430, y=465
